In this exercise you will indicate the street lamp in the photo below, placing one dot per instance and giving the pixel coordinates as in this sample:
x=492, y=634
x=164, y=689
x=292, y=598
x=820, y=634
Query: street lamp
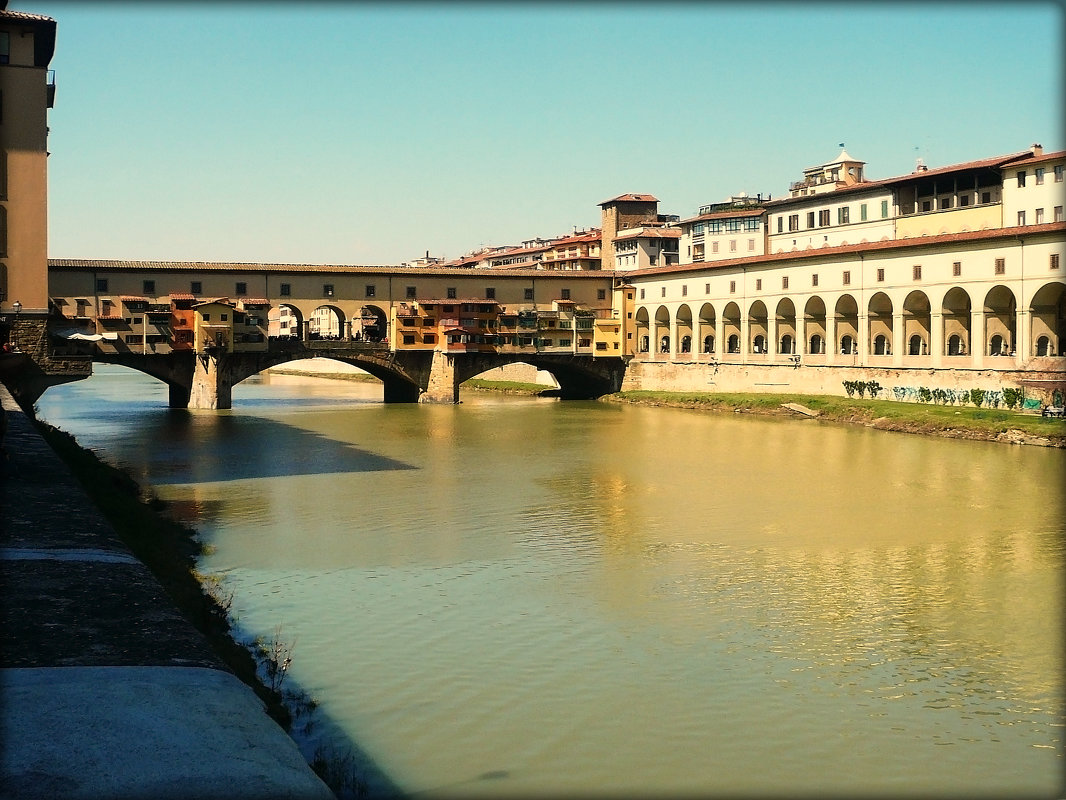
x=18, y=307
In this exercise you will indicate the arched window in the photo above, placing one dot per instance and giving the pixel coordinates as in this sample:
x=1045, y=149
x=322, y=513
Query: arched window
x=708, y=344
x=734, y=343
x=816, y=345
x=917, y=346
x=664, y=344
x=997, y=346
x=786, y=344
x=1043, y=346
x=686, y=344
x=881, y=347
x=758, y=345
x=645, y=343
x=955, y=345
x=847, y=344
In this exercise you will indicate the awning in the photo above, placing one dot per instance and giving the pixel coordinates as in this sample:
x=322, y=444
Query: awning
x=80, y=335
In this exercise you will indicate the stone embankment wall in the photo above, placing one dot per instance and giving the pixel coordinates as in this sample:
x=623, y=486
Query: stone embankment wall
x=675, y=376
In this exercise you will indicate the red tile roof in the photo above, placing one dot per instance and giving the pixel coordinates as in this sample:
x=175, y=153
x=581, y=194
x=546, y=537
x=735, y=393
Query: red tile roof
x=631, y=198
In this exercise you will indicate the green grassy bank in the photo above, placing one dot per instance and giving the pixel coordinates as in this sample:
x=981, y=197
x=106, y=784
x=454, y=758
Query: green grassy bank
x=961, y=422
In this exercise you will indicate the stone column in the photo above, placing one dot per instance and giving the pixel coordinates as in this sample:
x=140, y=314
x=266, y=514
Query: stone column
x=719, y=337
x=936, y=339
x=831, y=343
x=745, y=333
x=864, y=338
x=442, y=385
x=772, y=345
x=977, y=345
x=800, y=345
x=899, y=344
x=1022, y=346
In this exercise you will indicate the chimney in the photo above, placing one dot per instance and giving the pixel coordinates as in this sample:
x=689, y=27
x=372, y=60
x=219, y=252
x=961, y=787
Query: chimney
x=1038, y=149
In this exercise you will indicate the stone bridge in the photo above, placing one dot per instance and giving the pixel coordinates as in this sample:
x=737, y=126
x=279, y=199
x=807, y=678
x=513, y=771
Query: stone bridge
x=206, y=380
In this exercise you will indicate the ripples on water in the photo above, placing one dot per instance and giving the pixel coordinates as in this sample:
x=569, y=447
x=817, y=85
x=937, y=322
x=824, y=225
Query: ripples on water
x=524, y=597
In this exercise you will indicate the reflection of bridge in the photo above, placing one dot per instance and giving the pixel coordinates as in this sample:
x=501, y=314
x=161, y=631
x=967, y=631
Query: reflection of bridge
x=202, y=380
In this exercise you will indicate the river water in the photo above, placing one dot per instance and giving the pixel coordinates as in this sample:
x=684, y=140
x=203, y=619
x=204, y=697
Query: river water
x=527, y=597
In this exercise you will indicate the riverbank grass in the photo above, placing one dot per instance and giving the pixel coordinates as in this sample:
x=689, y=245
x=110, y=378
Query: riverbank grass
x=926, y=418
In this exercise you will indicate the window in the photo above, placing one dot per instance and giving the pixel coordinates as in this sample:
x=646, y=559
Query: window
x=810, y=219
x=784, y=281
x=684, y=290
x=732, y=287
x=916, y=272
x=408, y=338
x=490, y=293
x=410, y=292
x=843, y=215
x=371, y=290
x=601, y=294
x=714, y=247
x=1058, y=173
x=5, y=47
x=451, y=293
x=149, y=287
x=880, y=274
x=241, y=288
x=846, y=278
x=327, y=289
x=732, y=225
x=101, y=284
x=927, y=205
x=751, y=245
x=956, y=269
x=758, y=284
x=986, y=197
x=133, y=339
x=823, y=217
x=781, y=224
x=1054, y=261
x=641, y=294
x=1001, y=266
x=1039, y=216
x=732, y=245
x=285, y=289
x=197, y=287
x=1021, y=218
x=862, y=213
x=207, y=317
x=964, y=200
x=793, y=222
x=663, y=292
x=1038, y=173
x=527, y=294
x=429, y=338
x=884, y=209
x=566, y=294
x=1021, y=179
x=224, y=317
x=1058, y=213
x=706, y=288
x=814, y=279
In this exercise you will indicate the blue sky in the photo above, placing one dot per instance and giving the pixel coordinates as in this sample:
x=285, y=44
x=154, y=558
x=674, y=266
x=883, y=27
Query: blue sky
x=361, y=133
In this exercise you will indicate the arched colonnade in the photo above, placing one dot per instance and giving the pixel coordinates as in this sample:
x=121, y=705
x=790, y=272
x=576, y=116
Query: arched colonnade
x=948, y=329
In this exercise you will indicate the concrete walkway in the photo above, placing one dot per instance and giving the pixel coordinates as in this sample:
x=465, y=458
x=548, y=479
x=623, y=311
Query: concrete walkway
x=106, y=691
